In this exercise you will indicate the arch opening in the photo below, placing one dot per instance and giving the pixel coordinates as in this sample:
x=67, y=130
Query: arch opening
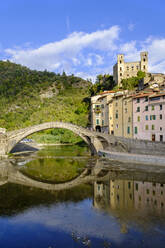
x=24, y=133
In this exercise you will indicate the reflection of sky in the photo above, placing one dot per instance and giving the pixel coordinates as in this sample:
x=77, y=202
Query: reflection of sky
x=52, y=226
x=80, y=218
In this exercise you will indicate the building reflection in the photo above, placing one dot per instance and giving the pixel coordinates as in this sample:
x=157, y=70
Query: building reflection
x=130, y=200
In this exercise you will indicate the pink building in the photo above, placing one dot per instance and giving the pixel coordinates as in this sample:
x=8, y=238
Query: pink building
x=149, y=116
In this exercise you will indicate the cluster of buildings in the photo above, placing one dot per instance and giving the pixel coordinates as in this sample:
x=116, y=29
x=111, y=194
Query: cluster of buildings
x=131, y=114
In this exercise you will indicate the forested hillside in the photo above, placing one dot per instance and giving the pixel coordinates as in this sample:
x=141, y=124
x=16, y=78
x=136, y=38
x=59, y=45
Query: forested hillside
x=29, y=97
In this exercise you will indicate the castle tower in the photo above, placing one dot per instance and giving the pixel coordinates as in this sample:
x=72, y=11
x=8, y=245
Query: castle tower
x=120, y=63
x=144, y=61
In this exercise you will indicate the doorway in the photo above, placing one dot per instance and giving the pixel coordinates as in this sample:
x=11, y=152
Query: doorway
x=153, y=137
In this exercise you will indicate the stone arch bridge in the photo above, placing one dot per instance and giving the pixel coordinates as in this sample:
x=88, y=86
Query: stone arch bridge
x=96, y=141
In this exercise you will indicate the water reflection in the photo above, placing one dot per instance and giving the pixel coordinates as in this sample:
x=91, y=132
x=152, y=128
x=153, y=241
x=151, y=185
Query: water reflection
x=128, y=200
x=107, y=205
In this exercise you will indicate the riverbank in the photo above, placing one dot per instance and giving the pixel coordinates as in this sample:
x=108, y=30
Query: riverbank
x=33, y=147
x=133, y=158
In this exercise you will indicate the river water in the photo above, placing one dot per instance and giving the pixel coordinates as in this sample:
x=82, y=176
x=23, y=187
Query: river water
x=60, y=197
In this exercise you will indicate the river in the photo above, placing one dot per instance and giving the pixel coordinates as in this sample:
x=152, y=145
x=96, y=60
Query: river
x=61, y=197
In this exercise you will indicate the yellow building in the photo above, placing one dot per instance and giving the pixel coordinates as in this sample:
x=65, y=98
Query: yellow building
x=127, y=116
x=111, y=112
x=100, y=111
x=118, y=126
x=120, y=115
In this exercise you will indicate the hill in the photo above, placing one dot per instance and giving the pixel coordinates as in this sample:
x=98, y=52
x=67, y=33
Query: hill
x=29, y=97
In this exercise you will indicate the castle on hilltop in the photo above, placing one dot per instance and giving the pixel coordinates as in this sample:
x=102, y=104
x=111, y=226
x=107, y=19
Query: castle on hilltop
x=123, y=70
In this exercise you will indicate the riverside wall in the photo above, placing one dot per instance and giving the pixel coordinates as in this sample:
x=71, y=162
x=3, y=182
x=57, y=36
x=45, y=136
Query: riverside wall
x=133, y=158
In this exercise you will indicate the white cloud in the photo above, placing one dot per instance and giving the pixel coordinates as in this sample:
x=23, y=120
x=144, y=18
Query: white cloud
x=60, y=217
x=89, y=54
x=62, y=52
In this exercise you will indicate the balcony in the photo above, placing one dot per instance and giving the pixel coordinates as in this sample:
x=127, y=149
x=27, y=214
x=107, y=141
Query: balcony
x=97, y=110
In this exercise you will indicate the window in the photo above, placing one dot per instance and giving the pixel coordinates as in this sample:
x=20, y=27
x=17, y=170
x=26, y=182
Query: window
x=146, y=127
x=129, y=119
x=125, y=102
x=160, y=117
x=132, y=68
x=138, y=118
x=160, y=128
x=137, y=67
x=136, y=186
x=138, y=100
x=129, y=185
x=127, y=75
x=102, y=105
x=120, y=61
x=125, y=110
x=102, y=114
x=154, y=117
x=153, y=127
x=116, y=115
x=150, y=117
x=128, y=130
x=144, y=67
x=120, y=74
x=160, y=106
x=146, y=117
x=127, y=68
x=144, y=60
x=161, y=138
x=146, y=99
x=136, y=130
x=97, y=121
x=116, y=104
x=138, y=109
x=152, y=107
x=146, y=108
x=103, y=122
x=117, y=125
x=147, y=191
x=120, y=68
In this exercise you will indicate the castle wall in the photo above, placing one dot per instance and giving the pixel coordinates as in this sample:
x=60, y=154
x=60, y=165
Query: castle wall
x=123, y=70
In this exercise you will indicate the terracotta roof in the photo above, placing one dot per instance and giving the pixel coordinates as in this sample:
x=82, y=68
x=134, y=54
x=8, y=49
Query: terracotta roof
x=141, y=95
x=105, y=92
x=160, y=94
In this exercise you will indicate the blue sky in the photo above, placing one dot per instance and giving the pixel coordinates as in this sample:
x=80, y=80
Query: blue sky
x=82, y=37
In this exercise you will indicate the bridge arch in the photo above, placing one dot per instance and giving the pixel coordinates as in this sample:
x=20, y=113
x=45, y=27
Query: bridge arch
x=88, y=136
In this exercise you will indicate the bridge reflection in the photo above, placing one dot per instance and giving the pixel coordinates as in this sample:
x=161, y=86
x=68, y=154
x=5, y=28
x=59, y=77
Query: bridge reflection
x=129, y=195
